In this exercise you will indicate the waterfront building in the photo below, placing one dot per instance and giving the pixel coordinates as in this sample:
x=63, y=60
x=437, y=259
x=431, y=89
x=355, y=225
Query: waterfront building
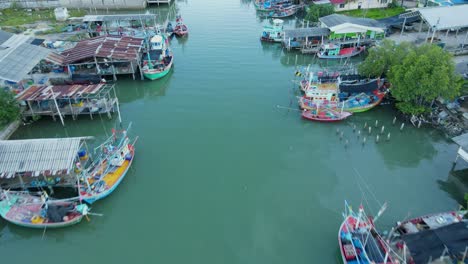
x=22, y=58
x=352, y=28
x=105, y=56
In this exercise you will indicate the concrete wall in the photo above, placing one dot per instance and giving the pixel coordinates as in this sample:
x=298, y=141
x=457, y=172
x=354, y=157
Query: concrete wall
x=94, y=4
x=363, y=4
x=104, y=4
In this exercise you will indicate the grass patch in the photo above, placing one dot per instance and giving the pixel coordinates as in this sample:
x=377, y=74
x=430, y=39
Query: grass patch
x=16, y=17
x=375, y=13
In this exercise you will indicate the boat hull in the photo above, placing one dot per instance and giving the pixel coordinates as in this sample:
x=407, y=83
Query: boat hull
x=181, y=33
x=74, y=221
x=307, y=115
x=152, y=74
x=368, y=107
x=340, y=56
x=271, y=40
x=104, y=194
x=20, y=215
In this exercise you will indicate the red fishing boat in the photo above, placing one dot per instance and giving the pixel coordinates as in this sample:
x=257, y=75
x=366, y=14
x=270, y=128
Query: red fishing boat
x=180, y=29
x=325, y=115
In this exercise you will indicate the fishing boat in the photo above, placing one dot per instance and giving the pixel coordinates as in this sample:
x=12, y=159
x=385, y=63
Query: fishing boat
x=103, y=177
x=359, y=241
x=23, y=209
x=325, y=115
x=283, y=11
x=354, y=104
x=329, y=94
x=263, y=5
x=180, y=29
x=274, y=32
x=434, y=238
x=270, y=5
x=363, y=102
x=158, y=60
x=335, y=51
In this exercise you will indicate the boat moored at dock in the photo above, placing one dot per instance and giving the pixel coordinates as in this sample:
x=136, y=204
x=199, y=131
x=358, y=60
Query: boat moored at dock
x=103, y=177
x=274, y=32
x=23, y=209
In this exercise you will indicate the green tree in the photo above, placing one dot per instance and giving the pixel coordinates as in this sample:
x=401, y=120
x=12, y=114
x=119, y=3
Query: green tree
x=419, y=75
x=425, y=73
x=382, y=57
x=316, y=11
x=9, y=110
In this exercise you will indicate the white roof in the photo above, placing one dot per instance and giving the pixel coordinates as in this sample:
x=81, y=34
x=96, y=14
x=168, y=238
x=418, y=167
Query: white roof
x=156, y=39
x=38, y=155
x=277, y=21
x=351, y=28
x=446, y=17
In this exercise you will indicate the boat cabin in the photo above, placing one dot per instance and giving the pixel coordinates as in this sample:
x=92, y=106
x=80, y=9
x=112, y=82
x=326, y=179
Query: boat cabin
x=156, y=42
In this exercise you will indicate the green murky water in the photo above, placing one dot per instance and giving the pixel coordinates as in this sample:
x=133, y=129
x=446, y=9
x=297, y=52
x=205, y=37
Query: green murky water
x=221, y=175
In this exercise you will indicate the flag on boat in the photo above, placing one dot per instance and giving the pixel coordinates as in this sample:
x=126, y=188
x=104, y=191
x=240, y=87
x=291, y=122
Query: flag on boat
x=298, y=73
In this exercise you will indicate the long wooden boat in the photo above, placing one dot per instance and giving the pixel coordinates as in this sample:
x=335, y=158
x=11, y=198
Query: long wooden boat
x=270, y=5
x=104, y=176
x=360, y=242
x=332, y=51
x=355, y=104
x=283, y=12
x=363, y=102
x=325, y=115
x=31, y=211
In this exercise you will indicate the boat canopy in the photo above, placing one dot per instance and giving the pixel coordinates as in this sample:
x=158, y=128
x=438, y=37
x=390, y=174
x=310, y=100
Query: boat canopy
x=156, y=39
x=278, y=22
x=433, y=243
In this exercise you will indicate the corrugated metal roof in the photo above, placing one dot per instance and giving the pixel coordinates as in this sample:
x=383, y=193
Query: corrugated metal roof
x=306, y=32
x=123, y=17
x=116, y=47
x=446, y=17
x=4, y=36
x=18, y=61
x=462, y=141
x=38, y=155
x=336, y=19
x=39, y=93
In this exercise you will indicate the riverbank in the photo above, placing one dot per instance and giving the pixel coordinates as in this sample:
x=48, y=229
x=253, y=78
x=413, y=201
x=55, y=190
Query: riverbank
x=8, y=130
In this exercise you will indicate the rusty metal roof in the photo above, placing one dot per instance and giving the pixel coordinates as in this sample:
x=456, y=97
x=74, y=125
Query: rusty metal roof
x=113, y=47
x=39, y=93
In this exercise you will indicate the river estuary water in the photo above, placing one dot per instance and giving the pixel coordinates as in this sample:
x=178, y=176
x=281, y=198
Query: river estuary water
x=221, y=175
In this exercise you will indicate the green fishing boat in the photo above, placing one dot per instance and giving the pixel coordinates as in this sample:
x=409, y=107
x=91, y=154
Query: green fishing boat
x=158, y=60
